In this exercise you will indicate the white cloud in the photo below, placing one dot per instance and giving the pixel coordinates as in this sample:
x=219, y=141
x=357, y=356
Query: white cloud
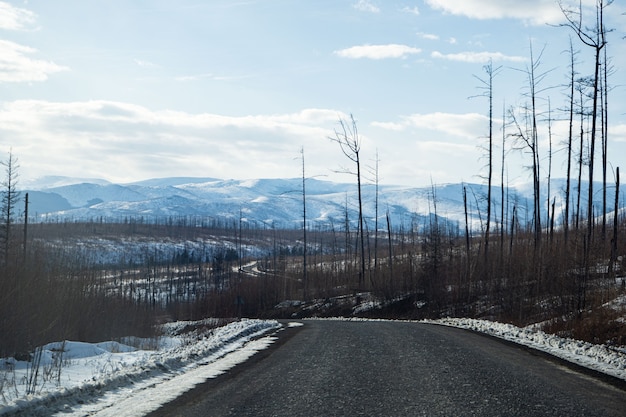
x=398, y=127
x=428, y=36
x=15, y=63
x=209, y=76
x=16, y=66
x=378, y=51
x=468, y=125
x=366, y=6
x=412, y=10
x=618, y=133
x=446, y=150
x=194, y=77
x=145, y=64
x=124, y=142
x=14, y=18
x=478, y=57
x=536, y=12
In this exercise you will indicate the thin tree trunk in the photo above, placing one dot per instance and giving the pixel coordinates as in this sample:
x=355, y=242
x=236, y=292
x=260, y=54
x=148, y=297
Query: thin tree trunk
x=580, y=159
x=390, y=247
x=569, y=145
x=605, y=126
x=468, y=268
x=550, y=211
x=25, y=226
x=615, y=227
x=304, y=250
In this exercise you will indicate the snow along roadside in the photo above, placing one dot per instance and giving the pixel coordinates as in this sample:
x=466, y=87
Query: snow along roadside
x=135, y=382
x=602, y=358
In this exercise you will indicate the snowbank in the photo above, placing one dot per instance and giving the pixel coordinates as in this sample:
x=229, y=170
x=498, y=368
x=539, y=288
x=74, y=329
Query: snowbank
x=602, y=358
x=78, y=378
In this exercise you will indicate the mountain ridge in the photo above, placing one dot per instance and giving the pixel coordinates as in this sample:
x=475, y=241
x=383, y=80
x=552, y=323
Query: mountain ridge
x=274, y=202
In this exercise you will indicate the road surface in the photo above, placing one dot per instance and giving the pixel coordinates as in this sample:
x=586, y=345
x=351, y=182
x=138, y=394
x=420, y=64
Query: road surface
x=339, y=368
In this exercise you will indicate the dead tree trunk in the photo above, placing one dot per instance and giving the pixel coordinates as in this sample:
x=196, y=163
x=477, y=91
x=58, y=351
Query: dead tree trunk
x=350, y=142
x=613, y=257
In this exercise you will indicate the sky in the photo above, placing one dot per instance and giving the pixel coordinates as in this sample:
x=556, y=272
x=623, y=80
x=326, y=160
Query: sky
x=130, y=90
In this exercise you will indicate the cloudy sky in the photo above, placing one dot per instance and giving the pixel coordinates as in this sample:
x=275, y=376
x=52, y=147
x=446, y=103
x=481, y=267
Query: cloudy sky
x=130, y=90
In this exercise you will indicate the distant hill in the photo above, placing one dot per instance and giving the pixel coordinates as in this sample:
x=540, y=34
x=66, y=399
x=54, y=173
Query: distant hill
x=273, y=202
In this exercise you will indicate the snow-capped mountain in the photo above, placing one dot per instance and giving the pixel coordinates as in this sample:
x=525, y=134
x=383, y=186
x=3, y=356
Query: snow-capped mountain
x=274, y=202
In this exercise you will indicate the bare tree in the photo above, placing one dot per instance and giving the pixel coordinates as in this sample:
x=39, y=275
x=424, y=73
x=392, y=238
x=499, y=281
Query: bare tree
x=376, y=182
x=487, y=86
x=25, y=239
x=613, y=257
x=550, y=209
x=570, y=137
x=502, y=166
x=347, y=136
x=595, y=38
x=10, y=198
x=604, y=92
x=390, y=248
x=529, y=136
x=304, y=250
x=580, y=87
x=468, y=255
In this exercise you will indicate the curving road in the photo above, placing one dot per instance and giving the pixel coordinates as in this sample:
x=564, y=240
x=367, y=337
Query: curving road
x=338, y=368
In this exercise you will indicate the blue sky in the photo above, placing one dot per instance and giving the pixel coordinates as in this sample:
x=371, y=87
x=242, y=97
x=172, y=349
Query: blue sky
x=129, y=90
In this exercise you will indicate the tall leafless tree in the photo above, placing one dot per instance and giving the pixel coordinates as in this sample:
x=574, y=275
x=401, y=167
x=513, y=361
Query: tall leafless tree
x=604, y=92
x=595, y=38
x=502, y=169
x=528, y=135
x=10, y=198
x=580, y=87
x=613, y=257
x=550, y=208
x=376, y=183
x=487, y=86
x=347, y=136
x=304, y=249
x=570, y=138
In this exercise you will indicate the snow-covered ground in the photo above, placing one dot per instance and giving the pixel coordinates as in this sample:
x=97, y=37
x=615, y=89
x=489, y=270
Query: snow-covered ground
x=113, y=379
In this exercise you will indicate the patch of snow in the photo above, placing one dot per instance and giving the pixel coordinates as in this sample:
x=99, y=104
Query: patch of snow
x=366, y=306
x=601, y=358
x=289, y=303
x=249, y=183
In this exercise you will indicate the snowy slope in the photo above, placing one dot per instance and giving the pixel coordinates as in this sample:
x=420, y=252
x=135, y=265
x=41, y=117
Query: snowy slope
x=278, y=202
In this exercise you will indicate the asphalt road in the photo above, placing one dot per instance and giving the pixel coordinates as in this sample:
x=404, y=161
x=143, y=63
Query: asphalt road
x=336, y=368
